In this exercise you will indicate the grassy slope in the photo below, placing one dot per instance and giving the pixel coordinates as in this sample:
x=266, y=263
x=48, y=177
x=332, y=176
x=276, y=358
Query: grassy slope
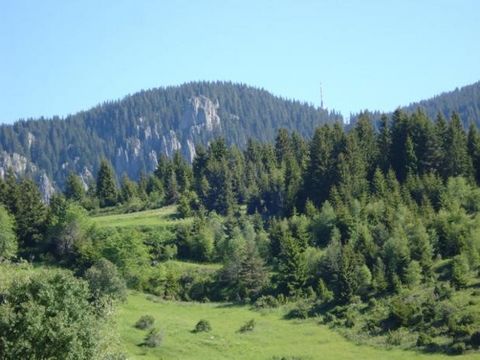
x=272, y=336
x=163, y=217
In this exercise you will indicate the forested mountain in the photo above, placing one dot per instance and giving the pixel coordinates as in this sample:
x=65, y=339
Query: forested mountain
x=130, y=133
x=375, y=233
x=465, y=101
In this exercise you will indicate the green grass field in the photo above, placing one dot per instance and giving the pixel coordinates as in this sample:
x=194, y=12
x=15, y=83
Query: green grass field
x=272, y=338
x=183, y=266
x=163, y=217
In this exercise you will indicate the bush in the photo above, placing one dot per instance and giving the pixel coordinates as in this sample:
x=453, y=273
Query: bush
x=444, y=291
x=328, y=317
x=394, y=338
x=8, y=240
x=457, y=348
x=403, y=312
x=145, y=322
x=266, y=302
x=462, y=325
x=153, y=339
x=300, y=312
x=349, y=320
x=48, y=316
x=248, y=326
x=424, y=340
x=475, y=339
x=104, y=280
x=202, y=326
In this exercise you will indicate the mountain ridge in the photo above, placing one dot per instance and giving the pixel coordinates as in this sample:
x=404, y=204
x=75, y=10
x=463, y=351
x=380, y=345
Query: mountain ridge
x=132, y=131
x=464, y=100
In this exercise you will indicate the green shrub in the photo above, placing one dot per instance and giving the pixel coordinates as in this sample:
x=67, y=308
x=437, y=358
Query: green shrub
x=328, y=317
x=394, y=338
x=47, y=315
x=444, y=291
x=404, y=313
x=202, y=326
x=301, y=311
x=266, y=302
x=104, y=280
x=248, y=326
x=424, y=339
x=457, y=348
x=349, y=320
x=475, y=339
x=145, y=322
x=462, y=325
x=153, y=339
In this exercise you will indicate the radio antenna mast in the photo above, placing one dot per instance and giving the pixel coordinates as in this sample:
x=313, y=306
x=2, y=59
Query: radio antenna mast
x=321, y=96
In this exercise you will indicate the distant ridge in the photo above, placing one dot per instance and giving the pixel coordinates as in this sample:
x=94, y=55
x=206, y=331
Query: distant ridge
x=465, y=101
x=133, y=131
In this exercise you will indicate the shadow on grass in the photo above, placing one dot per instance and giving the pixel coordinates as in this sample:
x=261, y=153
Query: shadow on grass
x=230, y=305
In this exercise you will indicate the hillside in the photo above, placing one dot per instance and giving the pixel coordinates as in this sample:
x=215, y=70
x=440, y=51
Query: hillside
x=273, y=337
x=465, y=101
x=131, y=132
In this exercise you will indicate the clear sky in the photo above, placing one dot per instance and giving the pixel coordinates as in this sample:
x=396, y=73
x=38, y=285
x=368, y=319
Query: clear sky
x=59, y=57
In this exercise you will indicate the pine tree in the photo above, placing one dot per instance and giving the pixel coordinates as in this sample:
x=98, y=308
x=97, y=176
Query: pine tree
x=283, y=147
x=458, y=161
x=366, y=140
x=352, y=171
x=161, y=171
x=245, y=274
x=172, y=193
x=411, y=166
x=30, y=216
x=74, y=189
x=474, y=150
x=384, y=142
x=379, y=184
x=183, y=172
x=441, y=134
x=8, y=240
x=106, y=186
x=221, y=197
x=347, y=277
x=129, y=189
x=460, y=271
x=326, y=145
x=398, y=153
x=10, y=191
x=291, y=267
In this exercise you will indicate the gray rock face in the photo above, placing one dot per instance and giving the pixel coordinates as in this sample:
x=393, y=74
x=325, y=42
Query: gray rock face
x=135, y=153
x=46, y=187
x=18, y=163
x=201, y=114
x=200, y=119
x=21, y=166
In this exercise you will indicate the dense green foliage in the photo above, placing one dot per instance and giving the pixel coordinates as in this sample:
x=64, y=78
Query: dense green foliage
x=48, y=316
x=8, y=240
x=464, y=101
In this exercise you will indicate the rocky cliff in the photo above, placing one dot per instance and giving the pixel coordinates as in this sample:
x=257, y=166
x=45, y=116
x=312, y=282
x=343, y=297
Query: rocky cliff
x=132, y=132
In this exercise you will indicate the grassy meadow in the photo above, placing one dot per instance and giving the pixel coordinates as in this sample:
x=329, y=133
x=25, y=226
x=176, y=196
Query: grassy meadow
x=162, y=217
x=272, y=338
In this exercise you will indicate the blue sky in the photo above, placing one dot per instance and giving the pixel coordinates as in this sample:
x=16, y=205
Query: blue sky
x=59, y=57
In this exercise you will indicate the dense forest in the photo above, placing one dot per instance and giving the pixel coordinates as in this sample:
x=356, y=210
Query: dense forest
x=464, y=101
x=130, y=132
x=375, y=233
